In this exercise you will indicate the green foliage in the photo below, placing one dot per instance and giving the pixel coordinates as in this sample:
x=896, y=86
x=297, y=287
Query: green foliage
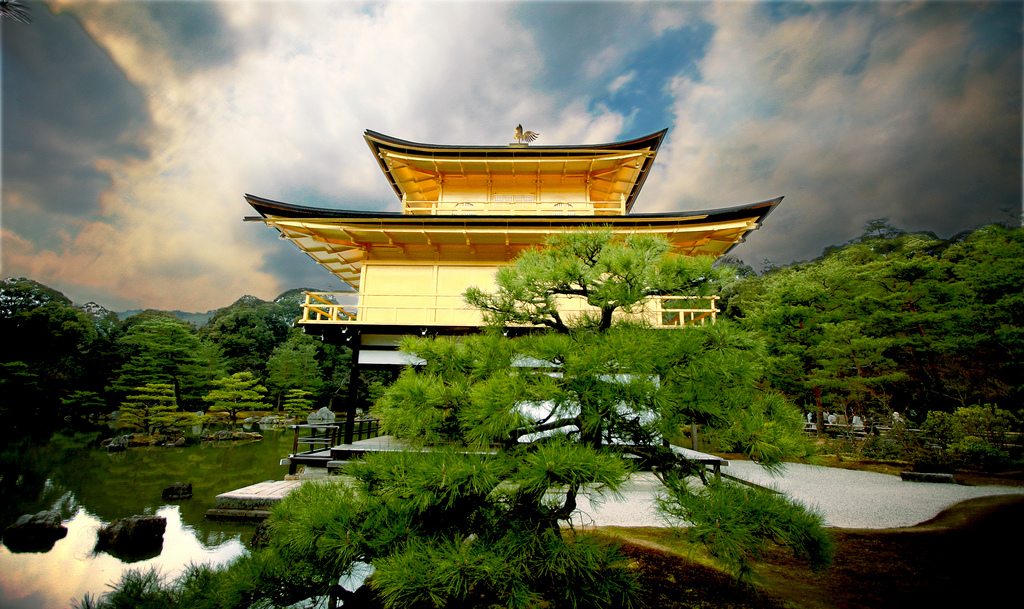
x=85, y=404
x=235, y=393
x=198, y=587
x=163, y=349
x=950, y=428
x=150, y=407
x=768, y=430
x=136, y=590
x=294, y=365
x=440, y=531
x=247, y=333
x=519, y=569
x=606, y=273
x=738, y=523
x=893, y=320
x=973, y=437
x=297, y=402
x=46, y=355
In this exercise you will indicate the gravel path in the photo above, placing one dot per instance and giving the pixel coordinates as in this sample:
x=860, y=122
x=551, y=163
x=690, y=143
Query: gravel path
x=846, y=498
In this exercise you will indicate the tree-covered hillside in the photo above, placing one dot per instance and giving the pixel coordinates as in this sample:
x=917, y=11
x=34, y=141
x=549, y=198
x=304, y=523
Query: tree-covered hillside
x=895, y=321
x=62, y=362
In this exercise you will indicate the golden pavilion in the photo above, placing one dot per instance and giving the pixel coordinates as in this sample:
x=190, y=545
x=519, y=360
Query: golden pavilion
x=467, y=210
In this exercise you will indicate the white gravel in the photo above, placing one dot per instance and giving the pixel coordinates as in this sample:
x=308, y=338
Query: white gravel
x=845, y=498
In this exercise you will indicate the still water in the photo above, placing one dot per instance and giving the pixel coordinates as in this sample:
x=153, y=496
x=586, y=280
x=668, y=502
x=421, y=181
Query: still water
x=91, y=487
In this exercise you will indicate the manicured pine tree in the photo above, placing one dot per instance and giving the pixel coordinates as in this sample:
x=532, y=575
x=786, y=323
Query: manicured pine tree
x=150, y=408
x=235, y=393
x=160, y=349
x=297, y=402
x=294, y=365
x=518, y=429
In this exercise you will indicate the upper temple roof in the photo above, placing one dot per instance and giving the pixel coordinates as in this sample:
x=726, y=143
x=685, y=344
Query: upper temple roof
x=613, y=172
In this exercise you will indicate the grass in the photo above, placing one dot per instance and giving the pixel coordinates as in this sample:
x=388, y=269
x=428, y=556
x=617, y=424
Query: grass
x=962, y=557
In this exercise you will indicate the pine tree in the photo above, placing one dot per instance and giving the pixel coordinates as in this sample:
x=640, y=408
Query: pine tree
x=235, y=393
x=294, y=365
x=297, y=402
x=161, y=349
x=150, y=407
x=507, y=434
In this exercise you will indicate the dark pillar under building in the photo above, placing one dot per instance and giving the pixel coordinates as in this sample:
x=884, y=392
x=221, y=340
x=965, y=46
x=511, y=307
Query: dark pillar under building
x=354, y=380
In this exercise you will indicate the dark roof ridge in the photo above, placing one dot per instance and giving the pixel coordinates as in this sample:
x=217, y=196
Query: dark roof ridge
x=653, y=140
x=289, y=210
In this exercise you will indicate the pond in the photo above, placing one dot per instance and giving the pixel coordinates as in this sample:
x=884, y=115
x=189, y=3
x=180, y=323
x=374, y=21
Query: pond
x=91, y=487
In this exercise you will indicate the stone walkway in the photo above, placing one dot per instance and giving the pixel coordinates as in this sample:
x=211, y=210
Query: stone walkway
x=845, y=498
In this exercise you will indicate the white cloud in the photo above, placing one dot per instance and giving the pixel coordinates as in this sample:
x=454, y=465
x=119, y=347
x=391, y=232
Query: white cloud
x=853, y=111
x=621, y=81
x=287, y=113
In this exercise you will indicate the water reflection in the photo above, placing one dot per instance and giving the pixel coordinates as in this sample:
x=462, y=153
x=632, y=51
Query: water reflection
x=90, y=487
x=71, y=569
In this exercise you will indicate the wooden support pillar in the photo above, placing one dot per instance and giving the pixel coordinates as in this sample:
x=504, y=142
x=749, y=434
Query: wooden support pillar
x=353, y=390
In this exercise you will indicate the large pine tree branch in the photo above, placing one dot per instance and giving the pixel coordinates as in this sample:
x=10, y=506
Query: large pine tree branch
x=542, y=427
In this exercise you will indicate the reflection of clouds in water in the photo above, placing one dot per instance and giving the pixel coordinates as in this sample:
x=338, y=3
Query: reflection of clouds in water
x=71, y=569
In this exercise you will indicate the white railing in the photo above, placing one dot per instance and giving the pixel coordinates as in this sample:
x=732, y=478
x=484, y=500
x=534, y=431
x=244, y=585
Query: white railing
x=514, y=208
x=323, y=308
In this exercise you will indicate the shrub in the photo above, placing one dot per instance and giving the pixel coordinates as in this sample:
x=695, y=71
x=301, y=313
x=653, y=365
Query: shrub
x=973, y=437
x=979, y=453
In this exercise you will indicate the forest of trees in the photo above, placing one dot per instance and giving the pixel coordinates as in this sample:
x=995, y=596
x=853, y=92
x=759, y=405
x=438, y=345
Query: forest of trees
x=895, y=321
x=891, y=321
x=65, y=363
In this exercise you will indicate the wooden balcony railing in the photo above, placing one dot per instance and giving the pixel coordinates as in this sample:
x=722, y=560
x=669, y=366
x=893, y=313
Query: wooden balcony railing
x=515, y=207
x=426, y=310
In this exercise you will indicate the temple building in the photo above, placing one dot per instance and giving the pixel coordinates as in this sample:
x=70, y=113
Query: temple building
x=467, y=210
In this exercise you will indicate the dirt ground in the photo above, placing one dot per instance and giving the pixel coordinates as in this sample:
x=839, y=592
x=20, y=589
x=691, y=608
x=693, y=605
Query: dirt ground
x=966, y=556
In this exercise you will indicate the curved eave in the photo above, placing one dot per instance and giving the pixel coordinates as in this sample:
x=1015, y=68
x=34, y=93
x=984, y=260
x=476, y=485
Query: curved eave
x=339, y=240
x=270, y=209
x=381, y=144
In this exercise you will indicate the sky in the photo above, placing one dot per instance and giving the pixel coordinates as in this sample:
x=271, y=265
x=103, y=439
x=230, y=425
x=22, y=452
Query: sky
x=132, y=129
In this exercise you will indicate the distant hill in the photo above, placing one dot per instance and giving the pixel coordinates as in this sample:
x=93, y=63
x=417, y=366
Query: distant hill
x=20, y=294
x=197, y=319
x=96, y=311
x=16, y=294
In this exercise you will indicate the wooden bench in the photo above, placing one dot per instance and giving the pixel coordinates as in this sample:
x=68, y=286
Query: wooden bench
x=704, y=459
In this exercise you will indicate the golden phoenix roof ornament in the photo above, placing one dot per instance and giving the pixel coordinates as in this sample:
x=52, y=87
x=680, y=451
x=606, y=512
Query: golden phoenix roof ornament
x=525, y=137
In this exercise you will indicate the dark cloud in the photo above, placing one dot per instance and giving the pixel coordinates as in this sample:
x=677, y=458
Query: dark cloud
x=289, y=264
x=65, y=107
x=195, y=34
x=584, y=44
x=854, y=112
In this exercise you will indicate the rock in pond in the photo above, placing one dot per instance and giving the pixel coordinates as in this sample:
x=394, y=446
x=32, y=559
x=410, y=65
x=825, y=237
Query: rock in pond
x=320, y=417
x=178, y=490
x=231, y=435
x=35, y=532
x=132, y=539
x=119, y=443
